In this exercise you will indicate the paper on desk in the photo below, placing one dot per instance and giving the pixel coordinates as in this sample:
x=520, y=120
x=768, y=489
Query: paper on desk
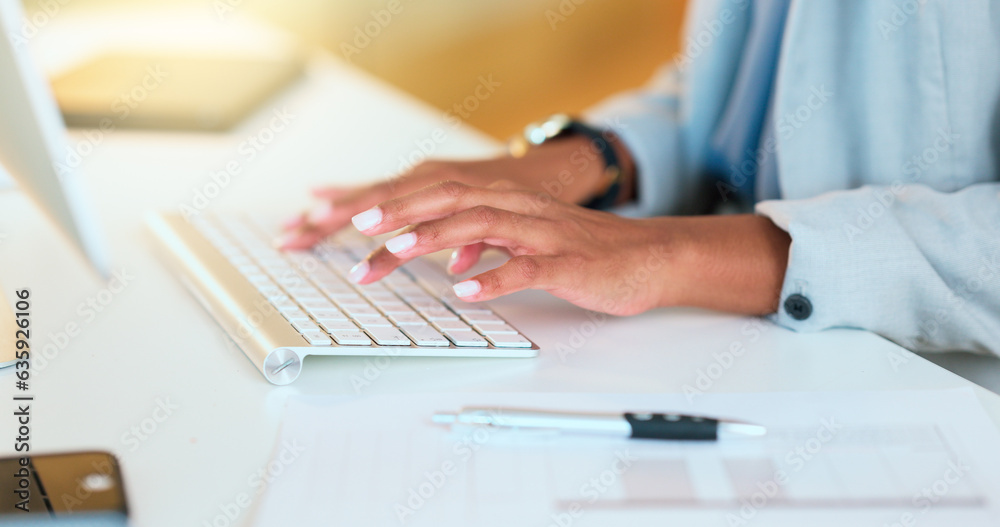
x=871, y=458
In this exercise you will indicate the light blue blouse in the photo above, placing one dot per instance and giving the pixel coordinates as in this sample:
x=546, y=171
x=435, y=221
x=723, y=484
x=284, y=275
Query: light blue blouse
x=883, y=127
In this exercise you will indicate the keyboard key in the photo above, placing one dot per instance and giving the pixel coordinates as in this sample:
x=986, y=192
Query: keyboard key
x=380, y=296
x=351, y=338
x=438, y=314
x=270, y=290
x=467, y=308
x=305, y=293
x=350, y=300
x=372, y=322
x=395, y=308
x=337, y=325
x=365, y=311
x=374, y=287
x=304, y=325
x=425, y=304
x=409, y=289
x=397, y=279
x=495, y=329
x=477, y=319
x=388, y=337
x=425, y=336
x=509, y=341
x=408, y=320
x=348, y=296
x=258, y=279
x=467, y=339
x=317, y=338
x=330, y=280
x=451, y=325
x=284, y=304
x=328, y=314
x=316, y=303
x=295, y=314
x=280, y=296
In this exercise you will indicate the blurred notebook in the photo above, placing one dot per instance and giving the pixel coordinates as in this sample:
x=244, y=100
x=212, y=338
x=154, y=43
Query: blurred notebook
x=176, y=93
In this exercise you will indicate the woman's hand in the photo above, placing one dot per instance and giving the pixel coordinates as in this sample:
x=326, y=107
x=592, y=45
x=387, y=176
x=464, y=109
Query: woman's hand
x=593, y=259
x=570, y=169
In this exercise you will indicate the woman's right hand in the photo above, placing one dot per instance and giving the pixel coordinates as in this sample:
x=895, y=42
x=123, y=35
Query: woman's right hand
x=568, y=169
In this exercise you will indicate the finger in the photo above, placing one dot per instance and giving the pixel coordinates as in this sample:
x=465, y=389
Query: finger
x=520, y=272
x=445, y=199
x=302, y=238
x=326, y=195
x=329, y=217
x=331, y=192
x=463, y=258
x=295, y=222
x=496, y=227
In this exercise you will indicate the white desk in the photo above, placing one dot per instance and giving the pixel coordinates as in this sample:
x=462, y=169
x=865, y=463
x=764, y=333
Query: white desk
x=153, y=342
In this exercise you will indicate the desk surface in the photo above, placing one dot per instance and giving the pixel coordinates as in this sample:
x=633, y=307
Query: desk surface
x=139, y=369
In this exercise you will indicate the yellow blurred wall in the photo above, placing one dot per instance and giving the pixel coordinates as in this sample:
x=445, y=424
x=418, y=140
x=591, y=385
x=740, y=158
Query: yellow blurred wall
x=546, y=55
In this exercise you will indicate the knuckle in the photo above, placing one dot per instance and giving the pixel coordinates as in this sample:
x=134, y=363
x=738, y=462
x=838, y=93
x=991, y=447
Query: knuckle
x=394, y=208
x=503, y=184
x=528, y=269
x=486, y=216
x=429, y=233
x=453, y=189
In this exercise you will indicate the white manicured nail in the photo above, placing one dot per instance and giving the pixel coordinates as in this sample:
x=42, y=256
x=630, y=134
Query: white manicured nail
x=358, y=272
x=401, y=243
x=467, y=288
x=367, y=219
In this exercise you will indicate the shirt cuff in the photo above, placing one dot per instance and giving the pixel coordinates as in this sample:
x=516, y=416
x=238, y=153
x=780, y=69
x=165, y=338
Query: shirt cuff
x=854, y=263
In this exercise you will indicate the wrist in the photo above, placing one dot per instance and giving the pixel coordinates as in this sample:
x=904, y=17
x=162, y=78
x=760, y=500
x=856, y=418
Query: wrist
x=730, y=263
x=629, y=179
x=612, y=185
x=568, y=168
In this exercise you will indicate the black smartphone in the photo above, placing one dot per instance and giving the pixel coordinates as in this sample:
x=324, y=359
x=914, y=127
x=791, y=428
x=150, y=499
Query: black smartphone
x=77, y=489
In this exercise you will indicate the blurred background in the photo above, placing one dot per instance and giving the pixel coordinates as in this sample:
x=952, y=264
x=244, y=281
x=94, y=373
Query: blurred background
x=549, y=55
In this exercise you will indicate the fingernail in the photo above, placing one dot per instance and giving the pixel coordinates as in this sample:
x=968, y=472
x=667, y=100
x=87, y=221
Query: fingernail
x=358, y=272
x=467, y=288
x=452, y=261
x=401, y=243
x=367, y=219
x=321, y=214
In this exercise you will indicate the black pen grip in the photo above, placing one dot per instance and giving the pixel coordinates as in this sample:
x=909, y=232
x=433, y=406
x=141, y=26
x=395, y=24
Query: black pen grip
x=672, y=426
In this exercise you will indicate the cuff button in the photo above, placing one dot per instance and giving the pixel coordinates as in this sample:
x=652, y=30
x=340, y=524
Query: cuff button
x=798, y=307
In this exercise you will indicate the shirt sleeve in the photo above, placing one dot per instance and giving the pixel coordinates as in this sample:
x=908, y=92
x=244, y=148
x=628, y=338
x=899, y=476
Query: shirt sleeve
x=917, y=266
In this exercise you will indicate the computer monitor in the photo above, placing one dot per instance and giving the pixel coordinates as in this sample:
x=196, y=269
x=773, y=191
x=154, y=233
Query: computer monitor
x=33, y=142
x=32, y=139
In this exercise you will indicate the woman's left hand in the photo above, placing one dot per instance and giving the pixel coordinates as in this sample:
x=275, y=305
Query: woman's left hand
x=596, y=260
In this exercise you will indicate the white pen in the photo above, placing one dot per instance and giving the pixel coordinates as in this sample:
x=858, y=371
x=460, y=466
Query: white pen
x=635, y=425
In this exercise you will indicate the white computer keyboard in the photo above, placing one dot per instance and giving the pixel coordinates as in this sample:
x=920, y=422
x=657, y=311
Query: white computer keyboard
x=310, y=290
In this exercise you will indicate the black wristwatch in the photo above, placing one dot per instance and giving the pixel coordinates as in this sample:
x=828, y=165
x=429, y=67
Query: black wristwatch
x=561, y=125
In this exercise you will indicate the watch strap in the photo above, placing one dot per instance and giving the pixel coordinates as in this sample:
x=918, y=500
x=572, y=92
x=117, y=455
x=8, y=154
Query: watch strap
x=612, y=166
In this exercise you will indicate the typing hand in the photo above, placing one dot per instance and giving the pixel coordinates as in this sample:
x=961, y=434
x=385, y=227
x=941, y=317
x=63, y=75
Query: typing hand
x=593, y=259
x=569, y=167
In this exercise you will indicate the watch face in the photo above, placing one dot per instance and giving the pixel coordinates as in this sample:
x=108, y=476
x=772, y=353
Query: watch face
x=538, y=133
